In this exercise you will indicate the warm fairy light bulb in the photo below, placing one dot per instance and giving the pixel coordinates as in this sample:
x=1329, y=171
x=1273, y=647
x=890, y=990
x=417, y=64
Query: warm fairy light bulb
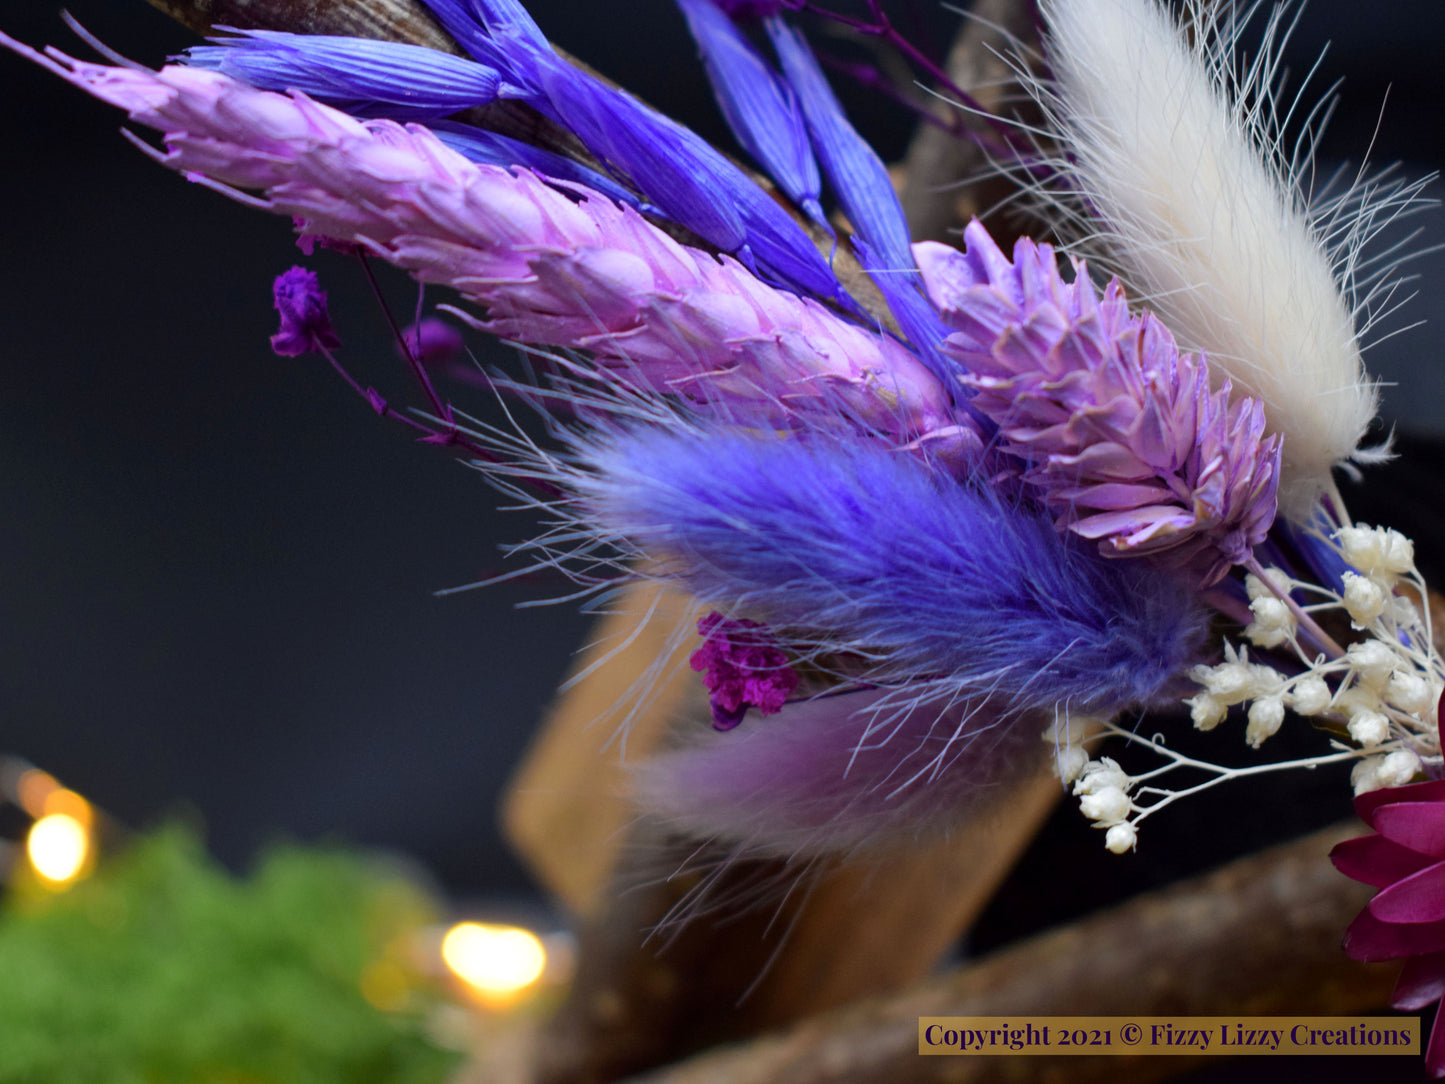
x=58, y=845
x=498, y=961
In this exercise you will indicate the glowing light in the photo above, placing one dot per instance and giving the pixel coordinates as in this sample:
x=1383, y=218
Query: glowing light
x=498, y=962
x=58, y=846
x=69, y=803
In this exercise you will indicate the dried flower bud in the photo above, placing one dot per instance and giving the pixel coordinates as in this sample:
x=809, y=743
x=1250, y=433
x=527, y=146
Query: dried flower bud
x=1121, y=838
x=1206, y=711
x=1398, y=768
x=1100, y=775
x=1372, y=662
x=1365, y=775
x=1265, y=717
x=1376, y=550
x=1411, y=692
x=1369, y=728
x=1364, y=599
x=1273, y=623
x=1070, y=762
x=1107, y=806
x=1309, y=696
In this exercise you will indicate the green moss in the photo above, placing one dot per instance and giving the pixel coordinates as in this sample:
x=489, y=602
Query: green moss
x=163, y=968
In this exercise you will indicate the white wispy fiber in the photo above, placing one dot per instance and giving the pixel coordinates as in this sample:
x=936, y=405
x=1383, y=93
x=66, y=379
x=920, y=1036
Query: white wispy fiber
x=1177, y=177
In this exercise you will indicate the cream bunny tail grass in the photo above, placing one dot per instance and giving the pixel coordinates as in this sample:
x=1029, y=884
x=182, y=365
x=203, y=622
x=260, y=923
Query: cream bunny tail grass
x=1174, y=171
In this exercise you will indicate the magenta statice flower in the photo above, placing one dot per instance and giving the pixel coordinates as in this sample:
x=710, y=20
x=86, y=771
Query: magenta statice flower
x=305, y=323
x=1121, y=431
x=1406, y=861
x=742, y=667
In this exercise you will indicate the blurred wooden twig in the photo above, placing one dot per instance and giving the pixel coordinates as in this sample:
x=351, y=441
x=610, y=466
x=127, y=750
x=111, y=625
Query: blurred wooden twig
x=765, y=949
x=1260, y=936
x=937, y=198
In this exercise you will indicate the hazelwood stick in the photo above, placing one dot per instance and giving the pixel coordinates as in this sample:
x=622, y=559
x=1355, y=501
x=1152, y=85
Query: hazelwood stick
x=1261, y=936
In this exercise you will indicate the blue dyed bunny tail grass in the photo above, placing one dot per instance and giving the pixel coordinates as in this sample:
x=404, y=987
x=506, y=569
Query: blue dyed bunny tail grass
x=854, y=552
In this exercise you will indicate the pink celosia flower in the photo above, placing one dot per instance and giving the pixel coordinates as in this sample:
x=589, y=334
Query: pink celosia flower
x=1121, y=432
x=742, y=668
x=1406, y=861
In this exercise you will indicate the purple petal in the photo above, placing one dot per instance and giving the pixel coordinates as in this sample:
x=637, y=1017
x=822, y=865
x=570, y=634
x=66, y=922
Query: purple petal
x=1417, y=825
x=367, y=78
x=678, y=171
x=1418, y=898
x=1369, y=940
x=1374, y=860
x=477, y=23
x=760, y=109
x=947, y=272
x=1421, y=983
x=855, y=172
x=1367, y=804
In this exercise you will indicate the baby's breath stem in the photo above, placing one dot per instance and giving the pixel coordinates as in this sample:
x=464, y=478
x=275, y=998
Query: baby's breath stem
x=1306, y=622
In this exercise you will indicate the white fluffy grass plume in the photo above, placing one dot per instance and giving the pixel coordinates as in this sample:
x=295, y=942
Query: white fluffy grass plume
x=1178, y=180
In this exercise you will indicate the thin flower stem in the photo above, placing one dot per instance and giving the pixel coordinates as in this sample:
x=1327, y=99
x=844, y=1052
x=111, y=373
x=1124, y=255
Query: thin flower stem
x=1219, y=773
x=1306, y=622
x=881, y=27
x=442, y=409
x=449, y=436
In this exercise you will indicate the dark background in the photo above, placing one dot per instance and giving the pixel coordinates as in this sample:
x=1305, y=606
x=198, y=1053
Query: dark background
x=216, y=566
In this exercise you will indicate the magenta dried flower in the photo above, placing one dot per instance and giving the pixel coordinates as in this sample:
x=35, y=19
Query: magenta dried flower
x=305, y=323
x=742, y=668
x=1120, y=430
x=1406, y=861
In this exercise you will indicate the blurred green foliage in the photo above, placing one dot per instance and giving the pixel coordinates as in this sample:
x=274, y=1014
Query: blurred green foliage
x=163, y=968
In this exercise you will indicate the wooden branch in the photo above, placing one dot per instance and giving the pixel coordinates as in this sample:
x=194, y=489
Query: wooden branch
x=1260, y=936
x=384, y=20
x=770, y=944
x=935, y=198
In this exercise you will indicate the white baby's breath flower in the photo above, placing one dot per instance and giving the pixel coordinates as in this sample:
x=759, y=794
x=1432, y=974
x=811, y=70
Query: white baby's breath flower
x=1273, y=622
x=1121, y=838
x=1398, y=768
x=1069, y=762
x=1373, y=662
x=1365, y=600
x=1265, y=716
x=1309, y=695
x=1377, y=551
x=1411, y=693
x=1365, y=775
x=1108, y=805
x=1206, y=711
x=1369, y=728
x=1099, y=775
